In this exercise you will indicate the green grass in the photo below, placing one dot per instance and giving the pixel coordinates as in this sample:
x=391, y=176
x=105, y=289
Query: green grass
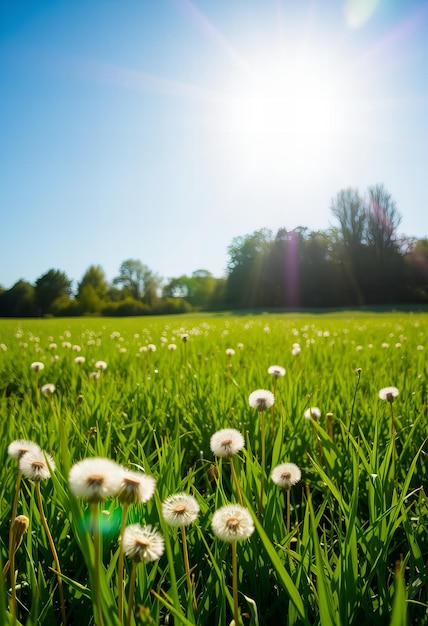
x=357, y=551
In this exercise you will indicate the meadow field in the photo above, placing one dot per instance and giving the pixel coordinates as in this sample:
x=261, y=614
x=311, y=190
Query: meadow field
x=325, y=464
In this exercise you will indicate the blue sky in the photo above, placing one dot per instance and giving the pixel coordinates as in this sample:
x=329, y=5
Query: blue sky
x=160, y=129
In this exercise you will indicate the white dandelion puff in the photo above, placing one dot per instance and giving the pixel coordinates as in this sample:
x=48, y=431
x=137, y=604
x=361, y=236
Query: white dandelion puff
x=143, y=543
x=95, y=479
x=48, y=389
x=180, y=509
x=276, y=371
x=226, y=442
x=21, y=446
x=36, y=465
x=37, y=366
x=286, y=475
x=136, y=487
x=261, y=399
x=312, y=413
x=232, y=523
x=388, y=393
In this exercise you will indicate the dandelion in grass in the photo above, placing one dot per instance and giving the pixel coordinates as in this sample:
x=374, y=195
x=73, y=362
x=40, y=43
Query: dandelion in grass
x=141, y=544
x=172, y=347
x=101, y=365
x=95, y=375
x=313, y=413
x=19, y=447
x=37, y=366
x=37, y=466
x=388, y=394
x=227, y=442
x=95, y=479
x=286, y=475
x=16, y=450
x=181, y=510
x=135, y=487
x=277, y=371
x=233, y=523
x=18, y=527
x=151, y=347
x=48, y=389
x=79, y=360
x=230, y=352
x=261, y=399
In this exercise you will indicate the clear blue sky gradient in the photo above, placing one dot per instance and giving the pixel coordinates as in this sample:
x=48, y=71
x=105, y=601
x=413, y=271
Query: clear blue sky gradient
x=161, y=129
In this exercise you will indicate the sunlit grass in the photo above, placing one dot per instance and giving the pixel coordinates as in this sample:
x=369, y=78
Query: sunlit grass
x=348, y=544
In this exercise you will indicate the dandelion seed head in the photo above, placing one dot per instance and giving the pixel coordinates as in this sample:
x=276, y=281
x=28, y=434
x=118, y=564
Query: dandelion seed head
x=21, y=446
x=35, y=465
x=37, y=366
x=286, y=475
x=261, y=399
x=312, y=413
x=136, y=487
x=226, y=442
x=142, y=543
x=79, y=360
x=230, y=352
x=232, y=522
x=388, y=393
x=180, y=509
x=101, y=365
x=48, y=389
x=95, y=479
x=276, y=371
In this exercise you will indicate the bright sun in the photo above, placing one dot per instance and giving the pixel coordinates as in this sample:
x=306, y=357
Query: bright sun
x=290, y=110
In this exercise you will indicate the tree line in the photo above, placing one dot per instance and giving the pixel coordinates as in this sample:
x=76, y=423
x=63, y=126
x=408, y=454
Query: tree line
x=360, y=260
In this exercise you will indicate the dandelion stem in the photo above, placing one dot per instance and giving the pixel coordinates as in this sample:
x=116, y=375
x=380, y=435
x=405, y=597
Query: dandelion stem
x=273, y=408
x=53, y=550
x=236, y=615
x=120, y=562
x=235, y=479
x=187, y=566
x=97, y=556
x=11, y=546
x=131, y=592
x=262, y=462
x=358, y=372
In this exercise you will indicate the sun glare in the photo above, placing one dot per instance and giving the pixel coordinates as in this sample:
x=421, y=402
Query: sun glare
x=287, y=106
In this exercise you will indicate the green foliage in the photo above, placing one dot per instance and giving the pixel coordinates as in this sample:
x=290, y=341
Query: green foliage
x=357, y=548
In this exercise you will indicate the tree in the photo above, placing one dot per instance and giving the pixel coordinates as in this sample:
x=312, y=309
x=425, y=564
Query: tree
x=138, y=281
x=18, y=301
x=92, y=290
x=52, y=285
x=246, y=255
x=383, y=220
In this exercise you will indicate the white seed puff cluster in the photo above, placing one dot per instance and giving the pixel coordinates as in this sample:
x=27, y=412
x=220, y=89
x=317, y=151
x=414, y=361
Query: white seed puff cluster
x=286, y=475
x=19, y=447
x=276, y=371
x=388, y=393
x=232, y=522
x=95, y=479
x=261, y=399
x=180, y=509
x=226, y=442
x=142, y=543
x=36, y=465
